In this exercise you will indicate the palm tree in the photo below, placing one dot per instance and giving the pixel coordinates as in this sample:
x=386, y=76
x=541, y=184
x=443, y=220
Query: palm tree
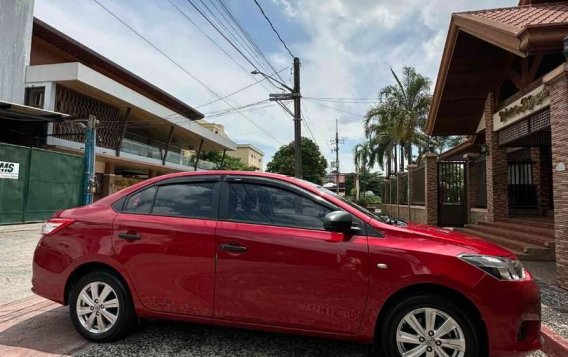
x=363, y=158
x=401, y=113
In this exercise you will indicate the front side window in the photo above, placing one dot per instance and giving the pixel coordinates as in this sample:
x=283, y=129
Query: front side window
x=261, y=204
x=193, y=200
x=141, y=202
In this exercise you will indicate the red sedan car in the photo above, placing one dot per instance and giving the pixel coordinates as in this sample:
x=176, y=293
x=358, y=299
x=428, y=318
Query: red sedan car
x=275, y=253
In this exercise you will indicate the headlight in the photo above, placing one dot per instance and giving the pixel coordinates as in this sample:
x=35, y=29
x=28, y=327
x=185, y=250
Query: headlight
x=499, y=267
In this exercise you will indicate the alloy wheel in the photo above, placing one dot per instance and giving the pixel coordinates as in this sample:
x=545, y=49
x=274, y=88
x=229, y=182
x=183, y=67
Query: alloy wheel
x=429, y=332
x=97, y=307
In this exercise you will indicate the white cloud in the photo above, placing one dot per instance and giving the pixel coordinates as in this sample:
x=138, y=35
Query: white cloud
x=347, y=50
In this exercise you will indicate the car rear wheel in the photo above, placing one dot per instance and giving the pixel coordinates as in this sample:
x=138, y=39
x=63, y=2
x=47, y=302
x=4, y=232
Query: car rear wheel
x=100, y=307
x=427, y=326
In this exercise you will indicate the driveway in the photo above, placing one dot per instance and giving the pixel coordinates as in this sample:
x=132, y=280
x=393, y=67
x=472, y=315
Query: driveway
x=32, y=326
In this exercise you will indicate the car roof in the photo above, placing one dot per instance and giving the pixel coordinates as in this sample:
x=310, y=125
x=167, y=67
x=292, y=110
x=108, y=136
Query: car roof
x=108, y=200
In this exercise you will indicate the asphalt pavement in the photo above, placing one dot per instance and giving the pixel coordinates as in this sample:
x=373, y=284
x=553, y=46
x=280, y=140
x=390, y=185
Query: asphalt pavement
x=32, y=326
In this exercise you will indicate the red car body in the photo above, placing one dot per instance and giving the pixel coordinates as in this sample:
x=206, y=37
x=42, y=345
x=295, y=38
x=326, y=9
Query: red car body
x=291, y=280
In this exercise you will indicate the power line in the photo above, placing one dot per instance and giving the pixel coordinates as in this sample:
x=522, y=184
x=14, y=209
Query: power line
x=222, y=34
x=182, y=68
x=345, y=100
x=273, y=29
x=337, y=109
x=235, y=92
x=248, y=36
x=215, y=42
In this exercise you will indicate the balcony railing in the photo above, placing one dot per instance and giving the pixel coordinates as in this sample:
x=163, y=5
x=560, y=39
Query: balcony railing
x=145, y=150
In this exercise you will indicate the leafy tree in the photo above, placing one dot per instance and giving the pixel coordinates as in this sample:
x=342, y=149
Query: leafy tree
x=313, y=162
x=229, y=163
x=400, y=116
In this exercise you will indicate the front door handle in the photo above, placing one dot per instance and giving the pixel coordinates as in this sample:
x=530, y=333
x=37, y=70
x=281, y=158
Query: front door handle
x=233, y=248
x=130, y=236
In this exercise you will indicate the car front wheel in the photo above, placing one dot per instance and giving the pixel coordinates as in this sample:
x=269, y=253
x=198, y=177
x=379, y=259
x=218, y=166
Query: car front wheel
x=428, y=326
x=100, y=307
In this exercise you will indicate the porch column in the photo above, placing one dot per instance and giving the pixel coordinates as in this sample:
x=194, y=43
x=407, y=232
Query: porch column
x=431, y=188
x=471, y=182
x=108, y=179
x=497, y=174
x=558, y=82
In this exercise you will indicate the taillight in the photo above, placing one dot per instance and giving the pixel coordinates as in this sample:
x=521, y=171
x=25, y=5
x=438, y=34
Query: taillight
x=54, y=225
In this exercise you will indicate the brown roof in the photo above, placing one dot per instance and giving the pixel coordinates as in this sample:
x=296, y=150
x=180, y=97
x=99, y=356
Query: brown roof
x=520, y=17
x=102, y=64
x=476, y=49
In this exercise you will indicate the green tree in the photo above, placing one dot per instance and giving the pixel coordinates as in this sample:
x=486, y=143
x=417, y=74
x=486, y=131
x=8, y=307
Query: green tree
x=400, y=116
x=229, y=163
x=313, y=162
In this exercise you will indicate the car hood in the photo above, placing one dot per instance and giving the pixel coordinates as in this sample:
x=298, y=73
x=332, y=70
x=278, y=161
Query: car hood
x=457, y=238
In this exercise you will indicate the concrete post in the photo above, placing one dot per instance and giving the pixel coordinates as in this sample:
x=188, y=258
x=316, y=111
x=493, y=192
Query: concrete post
x=16, y=21
x=410, y=187
x=431, y=188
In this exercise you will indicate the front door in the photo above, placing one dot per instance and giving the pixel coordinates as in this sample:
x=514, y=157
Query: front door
x=276, y=264
x=165, y=239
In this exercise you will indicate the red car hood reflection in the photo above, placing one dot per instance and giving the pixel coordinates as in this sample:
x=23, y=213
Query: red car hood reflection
x=453, y=236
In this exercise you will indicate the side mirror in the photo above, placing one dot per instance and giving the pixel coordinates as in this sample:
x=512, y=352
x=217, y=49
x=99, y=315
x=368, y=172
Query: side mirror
x=338, y=221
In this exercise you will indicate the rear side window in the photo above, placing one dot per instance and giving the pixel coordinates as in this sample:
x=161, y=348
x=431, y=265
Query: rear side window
x=141, y=202
x=193, y=200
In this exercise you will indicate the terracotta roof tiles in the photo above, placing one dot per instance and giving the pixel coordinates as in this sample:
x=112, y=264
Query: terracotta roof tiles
x=521, y=17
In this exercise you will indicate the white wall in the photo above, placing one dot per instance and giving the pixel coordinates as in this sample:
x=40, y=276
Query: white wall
x=16, y=21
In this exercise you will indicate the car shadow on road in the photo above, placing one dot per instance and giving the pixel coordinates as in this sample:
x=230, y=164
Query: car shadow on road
x=42, y=329
x=168, y=338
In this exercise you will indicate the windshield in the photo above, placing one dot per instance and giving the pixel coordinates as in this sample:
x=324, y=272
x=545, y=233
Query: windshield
x=379, y=217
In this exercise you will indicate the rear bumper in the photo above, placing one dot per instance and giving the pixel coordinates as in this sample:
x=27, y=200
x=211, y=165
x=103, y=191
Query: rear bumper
x=511, y=311
x=48, y=273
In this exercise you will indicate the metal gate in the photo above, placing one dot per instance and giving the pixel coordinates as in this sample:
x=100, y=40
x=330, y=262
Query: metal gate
x=452, y=204
x=522, y=190
x=34, y=183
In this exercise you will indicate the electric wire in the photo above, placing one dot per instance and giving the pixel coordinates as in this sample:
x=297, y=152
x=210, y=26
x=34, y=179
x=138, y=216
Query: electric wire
x=273, y=29
x=183, y=68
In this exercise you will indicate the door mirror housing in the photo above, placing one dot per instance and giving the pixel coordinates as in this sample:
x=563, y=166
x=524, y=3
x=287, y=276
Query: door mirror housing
x=338, y=221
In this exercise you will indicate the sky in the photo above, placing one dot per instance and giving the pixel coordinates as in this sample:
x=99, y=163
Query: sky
x=346, y=49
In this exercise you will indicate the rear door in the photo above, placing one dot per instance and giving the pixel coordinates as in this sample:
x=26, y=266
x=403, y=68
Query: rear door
x=165, y=239
x=276, y=264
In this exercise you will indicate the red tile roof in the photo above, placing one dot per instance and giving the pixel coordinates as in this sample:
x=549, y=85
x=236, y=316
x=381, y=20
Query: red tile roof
x=521, y=17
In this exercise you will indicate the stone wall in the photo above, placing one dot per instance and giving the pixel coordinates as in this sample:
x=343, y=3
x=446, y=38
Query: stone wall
x=417, y=213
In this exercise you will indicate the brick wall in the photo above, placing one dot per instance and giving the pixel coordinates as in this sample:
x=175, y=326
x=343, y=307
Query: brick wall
x=559, y=128
x=536, y=175
x=497, y=175
x=431, y=178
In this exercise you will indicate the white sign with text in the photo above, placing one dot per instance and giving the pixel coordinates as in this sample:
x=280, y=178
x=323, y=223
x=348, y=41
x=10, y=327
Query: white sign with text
x=9, y=170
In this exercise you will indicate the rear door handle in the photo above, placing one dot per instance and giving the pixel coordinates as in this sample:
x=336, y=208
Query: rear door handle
x=233, y=248
x=130, y=236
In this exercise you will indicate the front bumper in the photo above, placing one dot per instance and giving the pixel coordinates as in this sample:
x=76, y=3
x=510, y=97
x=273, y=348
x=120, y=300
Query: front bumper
x=511, y=312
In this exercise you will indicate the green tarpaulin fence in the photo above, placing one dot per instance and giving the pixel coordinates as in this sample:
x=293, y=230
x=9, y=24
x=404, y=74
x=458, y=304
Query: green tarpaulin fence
x=39, y=183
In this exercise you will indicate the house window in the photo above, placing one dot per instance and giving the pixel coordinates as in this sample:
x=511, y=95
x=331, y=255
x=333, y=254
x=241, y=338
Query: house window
x=35, y=97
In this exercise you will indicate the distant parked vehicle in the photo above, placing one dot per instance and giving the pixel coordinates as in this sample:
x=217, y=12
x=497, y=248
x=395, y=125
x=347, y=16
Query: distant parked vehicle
x=275, y=253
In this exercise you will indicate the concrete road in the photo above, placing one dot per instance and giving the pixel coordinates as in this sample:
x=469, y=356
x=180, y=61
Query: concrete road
x=17, y=244
x=32, y=326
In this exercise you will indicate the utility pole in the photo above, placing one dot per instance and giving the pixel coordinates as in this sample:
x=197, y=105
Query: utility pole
x=296, y=96
x=297, y=120
x=89, y=160
x=336, y=142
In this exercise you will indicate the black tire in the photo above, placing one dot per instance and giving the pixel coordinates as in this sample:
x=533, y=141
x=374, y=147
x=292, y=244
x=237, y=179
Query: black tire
x=385, y=341
x=125, y=314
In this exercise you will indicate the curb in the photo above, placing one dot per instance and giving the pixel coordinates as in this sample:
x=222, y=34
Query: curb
x=553, y=344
